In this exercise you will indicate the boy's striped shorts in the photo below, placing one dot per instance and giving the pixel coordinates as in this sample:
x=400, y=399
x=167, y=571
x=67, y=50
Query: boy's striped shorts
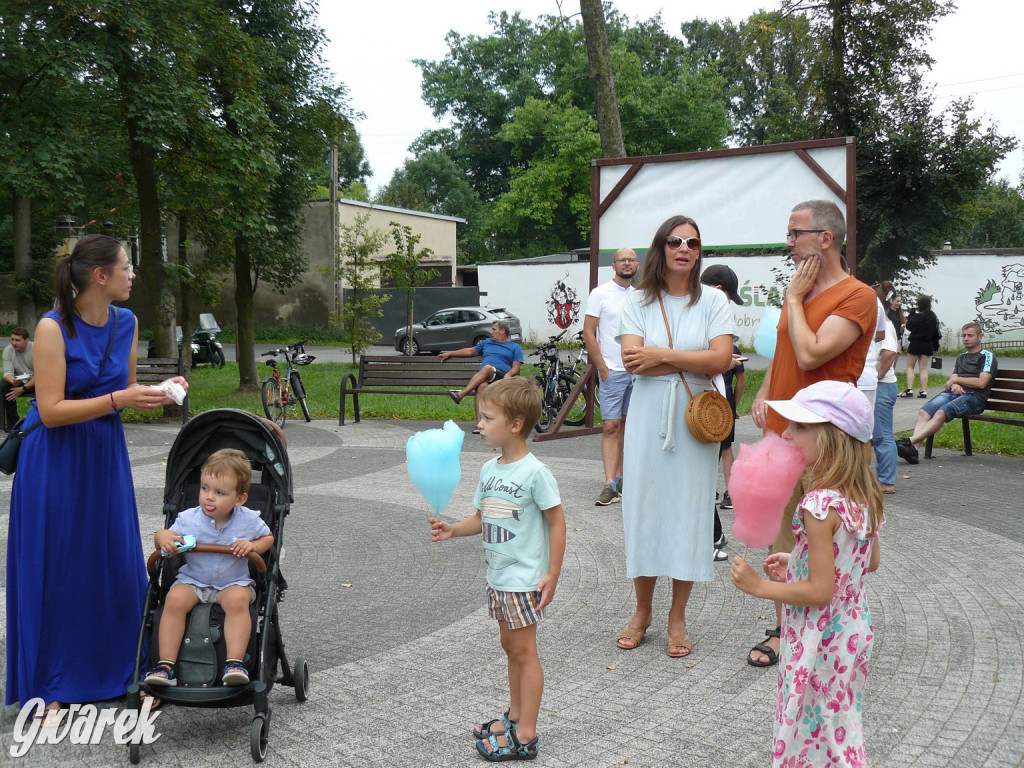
x=519, y=609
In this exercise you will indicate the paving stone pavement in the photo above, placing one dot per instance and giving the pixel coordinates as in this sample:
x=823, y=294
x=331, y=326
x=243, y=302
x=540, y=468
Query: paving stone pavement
x=404, y=660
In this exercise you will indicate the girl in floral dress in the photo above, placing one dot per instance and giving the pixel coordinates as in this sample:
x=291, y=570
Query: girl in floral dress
x=826, y=626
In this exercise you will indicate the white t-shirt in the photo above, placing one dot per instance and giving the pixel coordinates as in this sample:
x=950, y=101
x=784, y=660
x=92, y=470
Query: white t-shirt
x=891, y=343
x=605, y=303
x=869, y=376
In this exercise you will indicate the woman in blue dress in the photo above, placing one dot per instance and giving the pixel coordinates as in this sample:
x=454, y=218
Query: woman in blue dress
x=668, y=476
x=76, y=577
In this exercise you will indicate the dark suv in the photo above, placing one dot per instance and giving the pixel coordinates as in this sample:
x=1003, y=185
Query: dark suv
x=455, y=328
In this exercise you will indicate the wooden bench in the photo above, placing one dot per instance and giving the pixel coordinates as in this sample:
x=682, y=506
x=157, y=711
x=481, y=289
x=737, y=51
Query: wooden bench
x=1007, y=395
x=153, y=370
x=397, y=375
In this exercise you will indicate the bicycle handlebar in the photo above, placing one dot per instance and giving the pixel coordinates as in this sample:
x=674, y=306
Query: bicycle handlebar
x=298, y=346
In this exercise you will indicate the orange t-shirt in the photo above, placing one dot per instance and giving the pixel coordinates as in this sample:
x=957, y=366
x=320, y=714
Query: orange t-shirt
x=849, y=298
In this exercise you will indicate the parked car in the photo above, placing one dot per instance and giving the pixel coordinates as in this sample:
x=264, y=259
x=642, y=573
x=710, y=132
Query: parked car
x=454, y=328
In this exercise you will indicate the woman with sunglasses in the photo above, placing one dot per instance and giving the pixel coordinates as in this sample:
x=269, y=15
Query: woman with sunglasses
x=670, y=328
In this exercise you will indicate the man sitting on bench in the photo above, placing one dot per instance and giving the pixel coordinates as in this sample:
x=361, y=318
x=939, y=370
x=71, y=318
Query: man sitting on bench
x=501, y=359
x=966, y=393
x=18, y=380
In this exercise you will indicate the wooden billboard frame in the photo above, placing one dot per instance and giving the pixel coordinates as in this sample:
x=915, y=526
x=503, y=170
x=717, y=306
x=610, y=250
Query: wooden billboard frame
x=846, y=192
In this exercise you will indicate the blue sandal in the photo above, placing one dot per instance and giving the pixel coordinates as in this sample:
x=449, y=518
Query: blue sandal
x=161, y=675
x=235, y=673
x=483, y=731
x=513, y=749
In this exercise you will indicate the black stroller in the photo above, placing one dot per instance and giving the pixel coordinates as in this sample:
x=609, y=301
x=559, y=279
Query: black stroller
x=202, y=652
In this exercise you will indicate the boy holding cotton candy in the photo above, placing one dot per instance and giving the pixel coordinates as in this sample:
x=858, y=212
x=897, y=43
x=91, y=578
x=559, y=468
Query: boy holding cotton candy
x=519, y=513
x=826, y=632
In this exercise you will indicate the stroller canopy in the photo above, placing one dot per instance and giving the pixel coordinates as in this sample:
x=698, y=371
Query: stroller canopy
x=211, y=431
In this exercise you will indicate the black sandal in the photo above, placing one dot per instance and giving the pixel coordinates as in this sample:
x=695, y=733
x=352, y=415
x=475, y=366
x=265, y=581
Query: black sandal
x=513, y=749
x=767, y=650
x=483, y=731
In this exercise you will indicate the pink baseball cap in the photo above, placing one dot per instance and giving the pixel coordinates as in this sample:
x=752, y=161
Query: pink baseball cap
x=833, y=402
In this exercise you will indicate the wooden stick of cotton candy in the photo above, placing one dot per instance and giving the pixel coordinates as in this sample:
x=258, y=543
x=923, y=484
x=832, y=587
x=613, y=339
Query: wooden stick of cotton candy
x=761, y=483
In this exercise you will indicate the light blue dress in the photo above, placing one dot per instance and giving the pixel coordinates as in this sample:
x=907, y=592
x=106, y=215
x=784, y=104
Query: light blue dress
x=669, y=477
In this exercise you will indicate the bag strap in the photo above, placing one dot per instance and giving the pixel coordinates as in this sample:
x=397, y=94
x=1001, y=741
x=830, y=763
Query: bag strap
x=664, y=316
x=110, y=344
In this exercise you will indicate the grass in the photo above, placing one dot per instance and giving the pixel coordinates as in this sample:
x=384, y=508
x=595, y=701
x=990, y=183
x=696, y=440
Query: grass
x=212, y=388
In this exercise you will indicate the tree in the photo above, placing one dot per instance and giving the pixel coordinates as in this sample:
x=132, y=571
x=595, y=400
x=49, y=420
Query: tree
x=853, y=67
x=41, y=155
x=357, y=269
x=602, y=79
x=484, y=85
x=548, y=202
x=993, y=219
x=402, y=268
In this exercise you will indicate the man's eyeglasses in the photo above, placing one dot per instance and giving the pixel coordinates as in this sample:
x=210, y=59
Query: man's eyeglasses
x=793, y=234
x=626, y=261
x=691, y=243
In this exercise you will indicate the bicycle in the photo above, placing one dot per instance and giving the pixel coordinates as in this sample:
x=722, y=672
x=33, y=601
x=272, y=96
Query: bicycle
x=556, y=381
x=278, y=393
x=577, y=354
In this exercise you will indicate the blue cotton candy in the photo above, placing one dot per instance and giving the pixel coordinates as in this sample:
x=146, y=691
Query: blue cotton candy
x=432, y=458
x=764, y=338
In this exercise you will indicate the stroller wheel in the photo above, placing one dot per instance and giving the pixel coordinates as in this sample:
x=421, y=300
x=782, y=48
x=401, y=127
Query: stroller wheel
x=259, y=735
x=133, y=754
x=300, y=677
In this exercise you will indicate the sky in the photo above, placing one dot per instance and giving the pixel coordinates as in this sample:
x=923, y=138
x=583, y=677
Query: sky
x=372, y=46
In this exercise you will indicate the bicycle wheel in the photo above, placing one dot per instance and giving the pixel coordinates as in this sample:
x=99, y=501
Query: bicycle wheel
x=273, y=406
x=578, y=410
x=548, y=408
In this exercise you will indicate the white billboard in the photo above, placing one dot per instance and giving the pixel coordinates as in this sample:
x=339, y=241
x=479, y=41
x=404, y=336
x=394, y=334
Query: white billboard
x=738, y=200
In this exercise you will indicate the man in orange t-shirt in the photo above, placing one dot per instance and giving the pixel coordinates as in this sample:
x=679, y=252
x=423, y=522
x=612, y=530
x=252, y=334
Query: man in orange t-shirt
x=827, y=324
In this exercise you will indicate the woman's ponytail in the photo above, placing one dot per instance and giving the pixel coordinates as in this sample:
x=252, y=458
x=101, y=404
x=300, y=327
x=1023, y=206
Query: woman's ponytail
x=74, y=271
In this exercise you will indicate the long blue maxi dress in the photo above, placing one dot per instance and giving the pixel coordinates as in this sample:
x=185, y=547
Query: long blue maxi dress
x=669, y=478
x=76, y=578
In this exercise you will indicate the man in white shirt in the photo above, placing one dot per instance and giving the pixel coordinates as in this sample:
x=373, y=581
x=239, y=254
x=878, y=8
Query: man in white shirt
x=18, y=375
x=600, y=327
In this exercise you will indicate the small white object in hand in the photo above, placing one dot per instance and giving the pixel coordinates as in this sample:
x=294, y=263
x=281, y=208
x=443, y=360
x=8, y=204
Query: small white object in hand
x=173, y=389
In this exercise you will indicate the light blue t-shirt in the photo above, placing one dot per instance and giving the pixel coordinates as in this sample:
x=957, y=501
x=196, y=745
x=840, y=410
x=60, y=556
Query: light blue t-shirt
x=511, y=499
x=212, y=569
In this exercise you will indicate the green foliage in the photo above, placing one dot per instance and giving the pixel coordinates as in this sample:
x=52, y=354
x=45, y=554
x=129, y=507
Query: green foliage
x=853, y=67
x=548, y=201
x=993, y=219
x=509, y=94
x=358, y=271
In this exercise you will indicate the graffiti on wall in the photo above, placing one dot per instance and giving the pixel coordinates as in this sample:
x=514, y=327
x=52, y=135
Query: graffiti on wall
x=1000, y=304
x=563, y=305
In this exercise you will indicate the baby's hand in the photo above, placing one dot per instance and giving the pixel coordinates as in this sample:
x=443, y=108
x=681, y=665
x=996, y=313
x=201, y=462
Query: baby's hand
x=167, y=541
x=546, y=587
x=242, y=547
x=439, y=529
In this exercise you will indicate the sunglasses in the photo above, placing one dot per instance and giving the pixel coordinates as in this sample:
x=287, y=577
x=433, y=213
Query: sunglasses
x=691, y=243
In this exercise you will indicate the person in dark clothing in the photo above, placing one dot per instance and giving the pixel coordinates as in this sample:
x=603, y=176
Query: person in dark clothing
x=923, y=329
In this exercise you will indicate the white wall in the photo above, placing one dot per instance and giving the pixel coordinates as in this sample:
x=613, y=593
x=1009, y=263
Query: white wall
x=964, y=288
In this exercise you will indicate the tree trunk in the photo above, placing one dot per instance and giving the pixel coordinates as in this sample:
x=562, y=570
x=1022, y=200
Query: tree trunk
x=151, y=246
x=22, y=211
x=245, y=333
x=185, y=315
x=599, y=57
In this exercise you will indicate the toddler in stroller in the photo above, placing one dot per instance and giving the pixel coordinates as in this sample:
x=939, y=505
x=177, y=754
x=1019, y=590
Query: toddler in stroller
x=211, y=577
x=227, y=652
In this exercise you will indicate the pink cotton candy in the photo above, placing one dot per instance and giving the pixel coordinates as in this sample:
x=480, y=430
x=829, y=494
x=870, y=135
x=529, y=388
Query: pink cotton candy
x=762, y=481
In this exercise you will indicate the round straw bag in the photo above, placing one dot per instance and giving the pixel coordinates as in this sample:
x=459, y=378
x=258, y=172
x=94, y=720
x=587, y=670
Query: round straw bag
x=708, y=416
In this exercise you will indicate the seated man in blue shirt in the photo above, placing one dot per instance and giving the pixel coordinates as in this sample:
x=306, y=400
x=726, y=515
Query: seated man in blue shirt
x=966, y=393
x=502, y=359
